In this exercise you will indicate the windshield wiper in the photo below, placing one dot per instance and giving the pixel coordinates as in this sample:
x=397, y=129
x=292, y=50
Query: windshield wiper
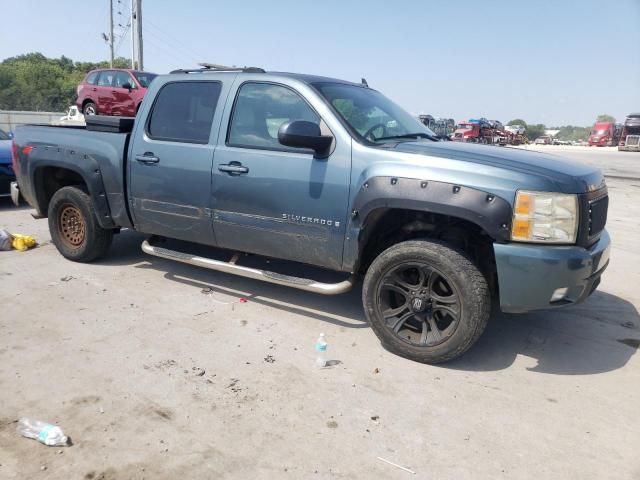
x=409, y=135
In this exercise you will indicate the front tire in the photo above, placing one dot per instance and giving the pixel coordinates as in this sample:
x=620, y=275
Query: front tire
x=426, y=301
x=74, y=227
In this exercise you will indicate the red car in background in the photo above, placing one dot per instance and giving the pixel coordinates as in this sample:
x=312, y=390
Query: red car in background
x=113, y=91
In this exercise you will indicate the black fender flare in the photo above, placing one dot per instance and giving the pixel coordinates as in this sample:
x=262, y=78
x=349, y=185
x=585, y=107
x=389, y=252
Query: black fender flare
x=488, y=211
x=88, y=170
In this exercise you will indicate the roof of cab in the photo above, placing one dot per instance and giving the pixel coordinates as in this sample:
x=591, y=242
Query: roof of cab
x=309, y=79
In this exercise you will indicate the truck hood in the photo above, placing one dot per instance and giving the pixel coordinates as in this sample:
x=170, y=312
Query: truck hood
x=568, y=176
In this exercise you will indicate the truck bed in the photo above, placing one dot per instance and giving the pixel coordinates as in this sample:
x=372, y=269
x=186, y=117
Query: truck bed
x=100, y=157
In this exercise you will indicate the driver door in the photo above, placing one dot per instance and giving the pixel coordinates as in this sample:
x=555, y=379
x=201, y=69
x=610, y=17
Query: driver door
x=274, y=200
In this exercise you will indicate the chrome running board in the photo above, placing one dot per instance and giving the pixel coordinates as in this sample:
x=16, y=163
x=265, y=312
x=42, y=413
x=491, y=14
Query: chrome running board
x=264, y=275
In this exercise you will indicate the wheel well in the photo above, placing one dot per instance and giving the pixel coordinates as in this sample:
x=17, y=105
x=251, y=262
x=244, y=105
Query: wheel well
x=88, y=100
x=48, y=180
x=385, y=227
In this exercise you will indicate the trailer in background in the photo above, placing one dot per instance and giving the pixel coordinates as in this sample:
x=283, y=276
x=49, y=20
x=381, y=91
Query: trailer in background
x=442, y=127
x=488, y=132
x=630, y=135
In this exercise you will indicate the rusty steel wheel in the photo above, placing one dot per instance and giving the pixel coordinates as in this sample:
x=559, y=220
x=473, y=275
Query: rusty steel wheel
x=72, y=226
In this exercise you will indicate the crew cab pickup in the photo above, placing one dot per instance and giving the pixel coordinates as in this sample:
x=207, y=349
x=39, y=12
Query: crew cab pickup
x=331, y=174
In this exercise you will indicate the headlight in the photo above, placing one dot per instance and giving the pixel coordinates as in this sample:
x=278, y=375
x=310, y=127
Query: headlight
x=545, y=217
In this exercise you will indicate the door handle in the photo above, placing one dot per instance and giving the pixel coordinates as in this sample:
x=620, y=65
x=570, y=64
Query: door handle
x=147, y=158
x=233, y=168
x=94, y=89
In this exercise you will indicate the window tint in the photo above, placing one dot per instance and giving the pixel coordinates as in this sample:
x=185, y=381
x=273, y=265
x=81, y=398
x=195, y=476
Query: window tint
x=121, y=78
x=183, y=112
x=92, y=78
x=259, y=111
x=106, y=78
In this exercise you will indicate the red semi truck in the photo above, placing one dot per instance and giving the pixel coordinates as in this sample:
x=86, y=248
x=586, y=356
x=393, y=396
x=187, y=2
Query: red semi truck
x=604, y=134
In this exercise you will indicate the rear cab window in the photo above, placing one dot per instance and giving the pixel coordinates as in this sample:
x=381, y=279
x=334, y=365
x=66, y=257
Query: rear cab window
x=183, y=112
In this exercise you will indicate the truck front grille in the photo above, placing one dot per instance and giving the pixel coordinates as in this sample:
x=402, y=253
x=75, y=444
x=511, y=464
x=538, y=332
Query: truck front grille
x=633, y=140
x=593, y=216
x=598, y=215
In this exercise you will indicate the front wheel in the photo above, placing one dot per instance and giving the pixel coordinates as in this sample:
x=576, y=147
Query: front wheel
x=426, y=301
x=74, y=226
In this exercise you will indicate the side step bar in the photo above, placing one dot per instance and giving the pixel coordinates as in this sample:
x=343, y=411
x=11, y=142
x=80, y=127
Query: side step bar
x=264, y=275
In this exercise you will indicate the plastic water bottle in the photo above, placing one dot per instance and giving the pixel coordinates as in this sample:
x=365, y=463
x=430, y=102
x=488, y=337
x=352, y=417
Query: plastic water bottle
x=46, y=433
x=321, y=351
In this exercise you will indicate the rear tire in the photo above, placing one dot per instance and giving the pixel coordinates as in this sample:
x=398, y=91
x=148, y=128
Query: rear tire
x=89, y=109
x=74, y=226
x=426, y=301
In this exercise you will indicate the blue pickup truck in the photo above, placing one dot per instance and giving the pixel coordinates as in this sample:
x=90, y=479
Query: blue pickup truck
x=328, y=173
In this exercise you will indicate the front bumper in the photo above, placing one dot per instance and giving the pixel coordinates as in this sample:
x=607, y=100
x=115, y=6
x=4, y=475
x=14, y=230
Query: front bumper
x=528, y=275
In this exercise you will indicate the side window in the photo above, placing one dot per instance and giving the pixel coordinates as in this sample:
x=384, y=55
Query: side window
x=260, y=110
x=106, y=78
x=122, y=78
x=92, y=78
x=183, y=112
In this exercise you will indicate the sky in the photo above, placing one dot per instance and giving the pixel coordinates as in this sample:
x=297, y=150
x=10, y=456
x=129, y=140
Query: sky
x=552, y=62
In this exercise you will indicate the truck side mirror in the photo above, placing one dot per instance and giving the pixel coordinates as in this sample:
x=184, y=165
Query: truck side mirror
x=10, y=135
x=303, y=134
x=128, y=86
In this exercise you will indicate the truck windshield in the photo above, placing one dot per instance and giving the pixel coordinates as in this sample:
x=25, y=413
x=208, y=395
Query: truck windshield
x=370, y=115
x=465, y=126
x=144, y=78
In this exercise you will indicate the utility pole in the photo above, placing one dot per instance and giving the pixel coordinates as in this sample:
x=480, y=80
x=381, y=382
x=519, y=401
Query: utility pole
x=139, y=32
x=111, y=32
x=133, y=35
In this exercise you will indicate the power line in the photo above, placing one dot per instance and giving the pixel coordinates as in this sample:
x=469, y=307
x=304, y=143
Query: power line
x=160, y=48
x=193, y=54
x=163, y=41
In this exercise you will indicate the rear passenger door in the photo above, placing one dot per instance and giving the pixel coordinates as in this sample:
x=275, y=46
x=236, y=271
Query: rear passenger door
x=171, y=159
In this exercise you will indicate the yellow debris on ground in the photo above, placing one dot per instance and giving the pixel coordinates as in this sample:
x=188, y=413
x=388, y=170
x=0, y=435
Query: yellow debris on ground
x=16, y=241
x=22, y=242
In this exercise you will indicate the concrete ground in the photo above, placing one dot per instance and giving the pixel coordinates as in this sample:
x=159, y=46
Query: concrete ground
x=160, y=370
